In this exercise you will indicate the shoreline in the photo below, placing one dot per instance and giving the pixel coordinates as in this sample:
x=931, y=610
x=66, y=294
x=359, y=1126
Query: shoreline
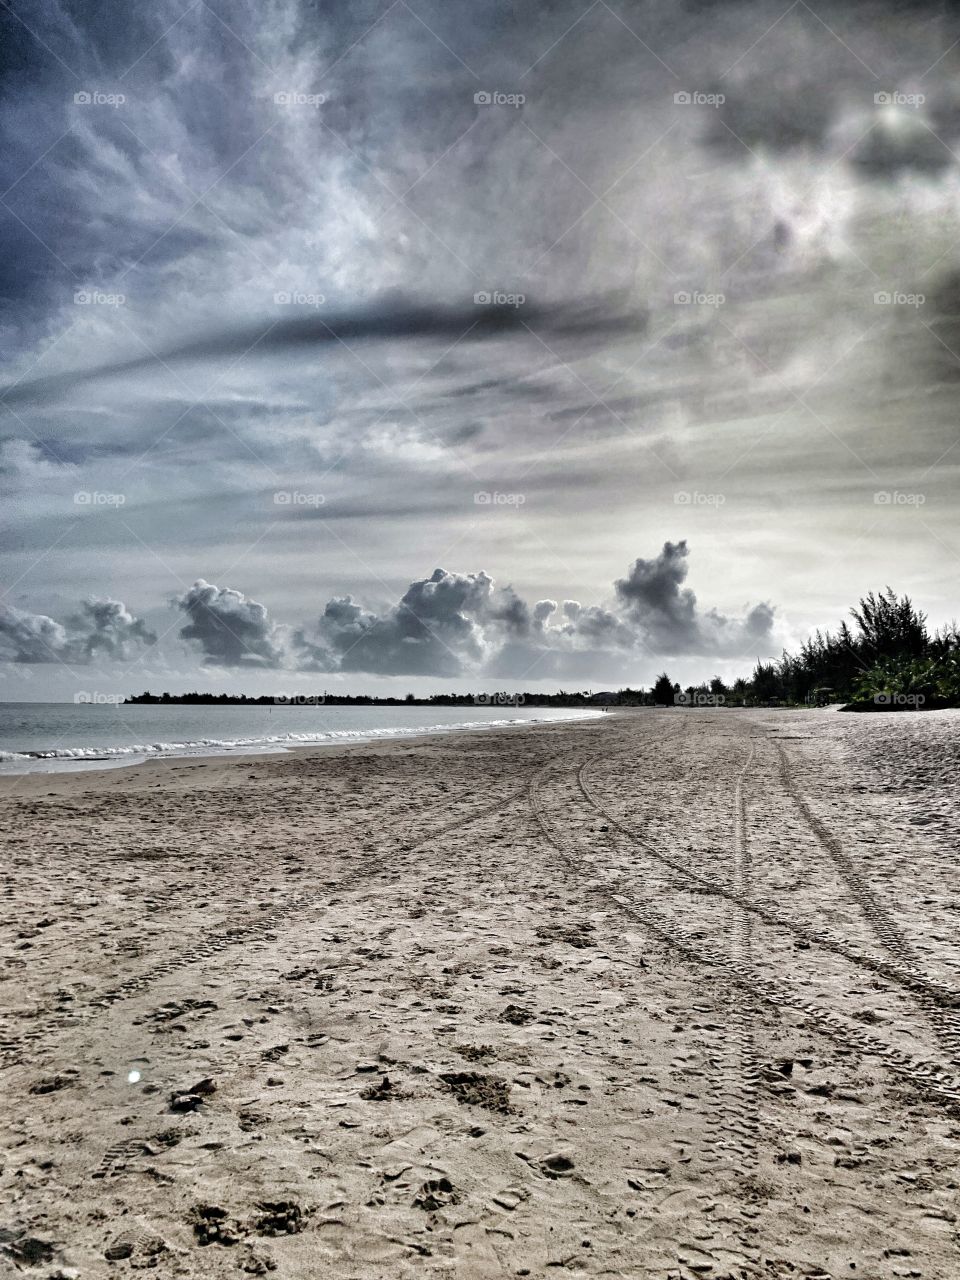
x=128, y=758
x=166, y=764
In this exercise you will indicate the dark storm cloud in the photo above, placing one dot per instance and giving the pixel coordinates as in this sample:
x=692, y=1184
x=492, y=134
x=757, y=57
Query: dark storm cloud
x=111, y=630
x=103, y=629
x=229, y=629
x=446, y=625
x=780, y=113
x=435, y=629
x=513, y=613
x=880, y=126
x=652, y=592
x=596, y=626
x=32, y=637
x=342, y=625
x=453, y=624
x=667, y=614
x=901, y=146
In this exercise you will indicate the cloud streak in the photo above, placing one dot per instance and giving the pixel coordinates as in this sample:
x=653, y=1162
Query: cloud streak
x=384, y=321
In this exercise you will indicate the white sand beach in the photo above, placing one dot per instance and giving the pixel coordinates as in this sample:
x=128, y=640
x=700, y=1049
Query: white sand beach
x=662, y=994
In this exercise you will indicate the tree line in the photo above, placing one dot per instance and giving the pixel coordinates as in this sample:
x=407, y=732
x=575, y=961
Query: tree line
x=886, y=658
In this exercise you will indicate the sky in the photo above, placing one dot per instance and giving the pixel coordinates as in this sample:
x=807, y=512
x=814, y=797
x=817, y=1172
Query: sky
x=387, y=346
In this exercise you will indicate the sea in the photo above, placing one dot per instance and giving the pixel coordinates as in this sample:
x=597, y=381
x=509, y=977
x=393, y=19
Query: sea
x=53, y=736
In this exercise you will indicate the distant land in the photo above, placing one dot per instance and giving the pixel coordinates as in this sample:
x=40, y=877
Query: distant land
x=628, y=697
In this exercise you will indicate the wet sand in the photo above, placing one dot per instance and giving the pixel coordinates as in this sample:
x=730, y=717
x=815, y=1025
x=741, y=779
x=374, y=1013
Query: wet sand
x=662, y=994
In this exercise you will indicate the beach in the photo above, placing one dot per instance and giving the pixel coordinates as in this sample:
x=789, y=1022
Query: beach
x=662, y=993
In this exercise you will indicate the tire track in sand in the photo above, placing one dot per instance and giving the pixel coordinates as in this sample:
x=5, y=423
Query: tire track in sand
x=911, y=978
x=930, y=1077
x=744, y=1012
x=13, y=1046
x=945, y=1020
x=726, y=1138
x=733, y=1127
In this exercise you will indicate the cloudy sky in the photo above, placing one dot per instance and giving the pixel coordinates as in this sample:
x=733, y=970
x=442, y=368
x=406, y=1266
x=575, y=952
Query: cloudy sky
x=420, y=345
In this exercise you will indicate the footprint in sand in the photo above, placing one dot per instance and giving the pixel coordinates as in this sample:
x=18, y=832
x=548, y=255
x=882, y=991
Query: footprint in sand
x=473, y=1088
x=436, y=1193
x=517, y=1015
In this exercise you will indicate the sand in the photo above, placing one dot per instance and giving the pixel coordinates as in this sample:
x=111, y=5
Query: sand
x=662, y=994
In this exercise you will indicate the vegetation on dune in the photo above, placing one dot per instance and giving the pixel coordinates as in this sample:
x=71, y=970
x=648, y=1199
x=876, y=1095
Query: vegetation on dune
x=886, y=660
x=929, y=681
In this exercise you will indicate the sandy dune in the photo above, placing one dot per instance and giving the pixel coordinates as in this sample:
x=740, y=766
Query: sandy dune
x=666, y=994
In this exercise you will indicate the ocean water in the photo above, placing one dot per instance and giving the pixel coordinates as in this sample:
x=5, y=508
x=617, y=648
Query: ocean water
x=48, y=736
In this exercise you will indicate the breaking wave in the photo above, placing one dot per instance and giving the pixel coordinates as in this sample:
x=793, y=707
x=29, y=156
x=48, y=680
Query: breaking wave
x=265, y=742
